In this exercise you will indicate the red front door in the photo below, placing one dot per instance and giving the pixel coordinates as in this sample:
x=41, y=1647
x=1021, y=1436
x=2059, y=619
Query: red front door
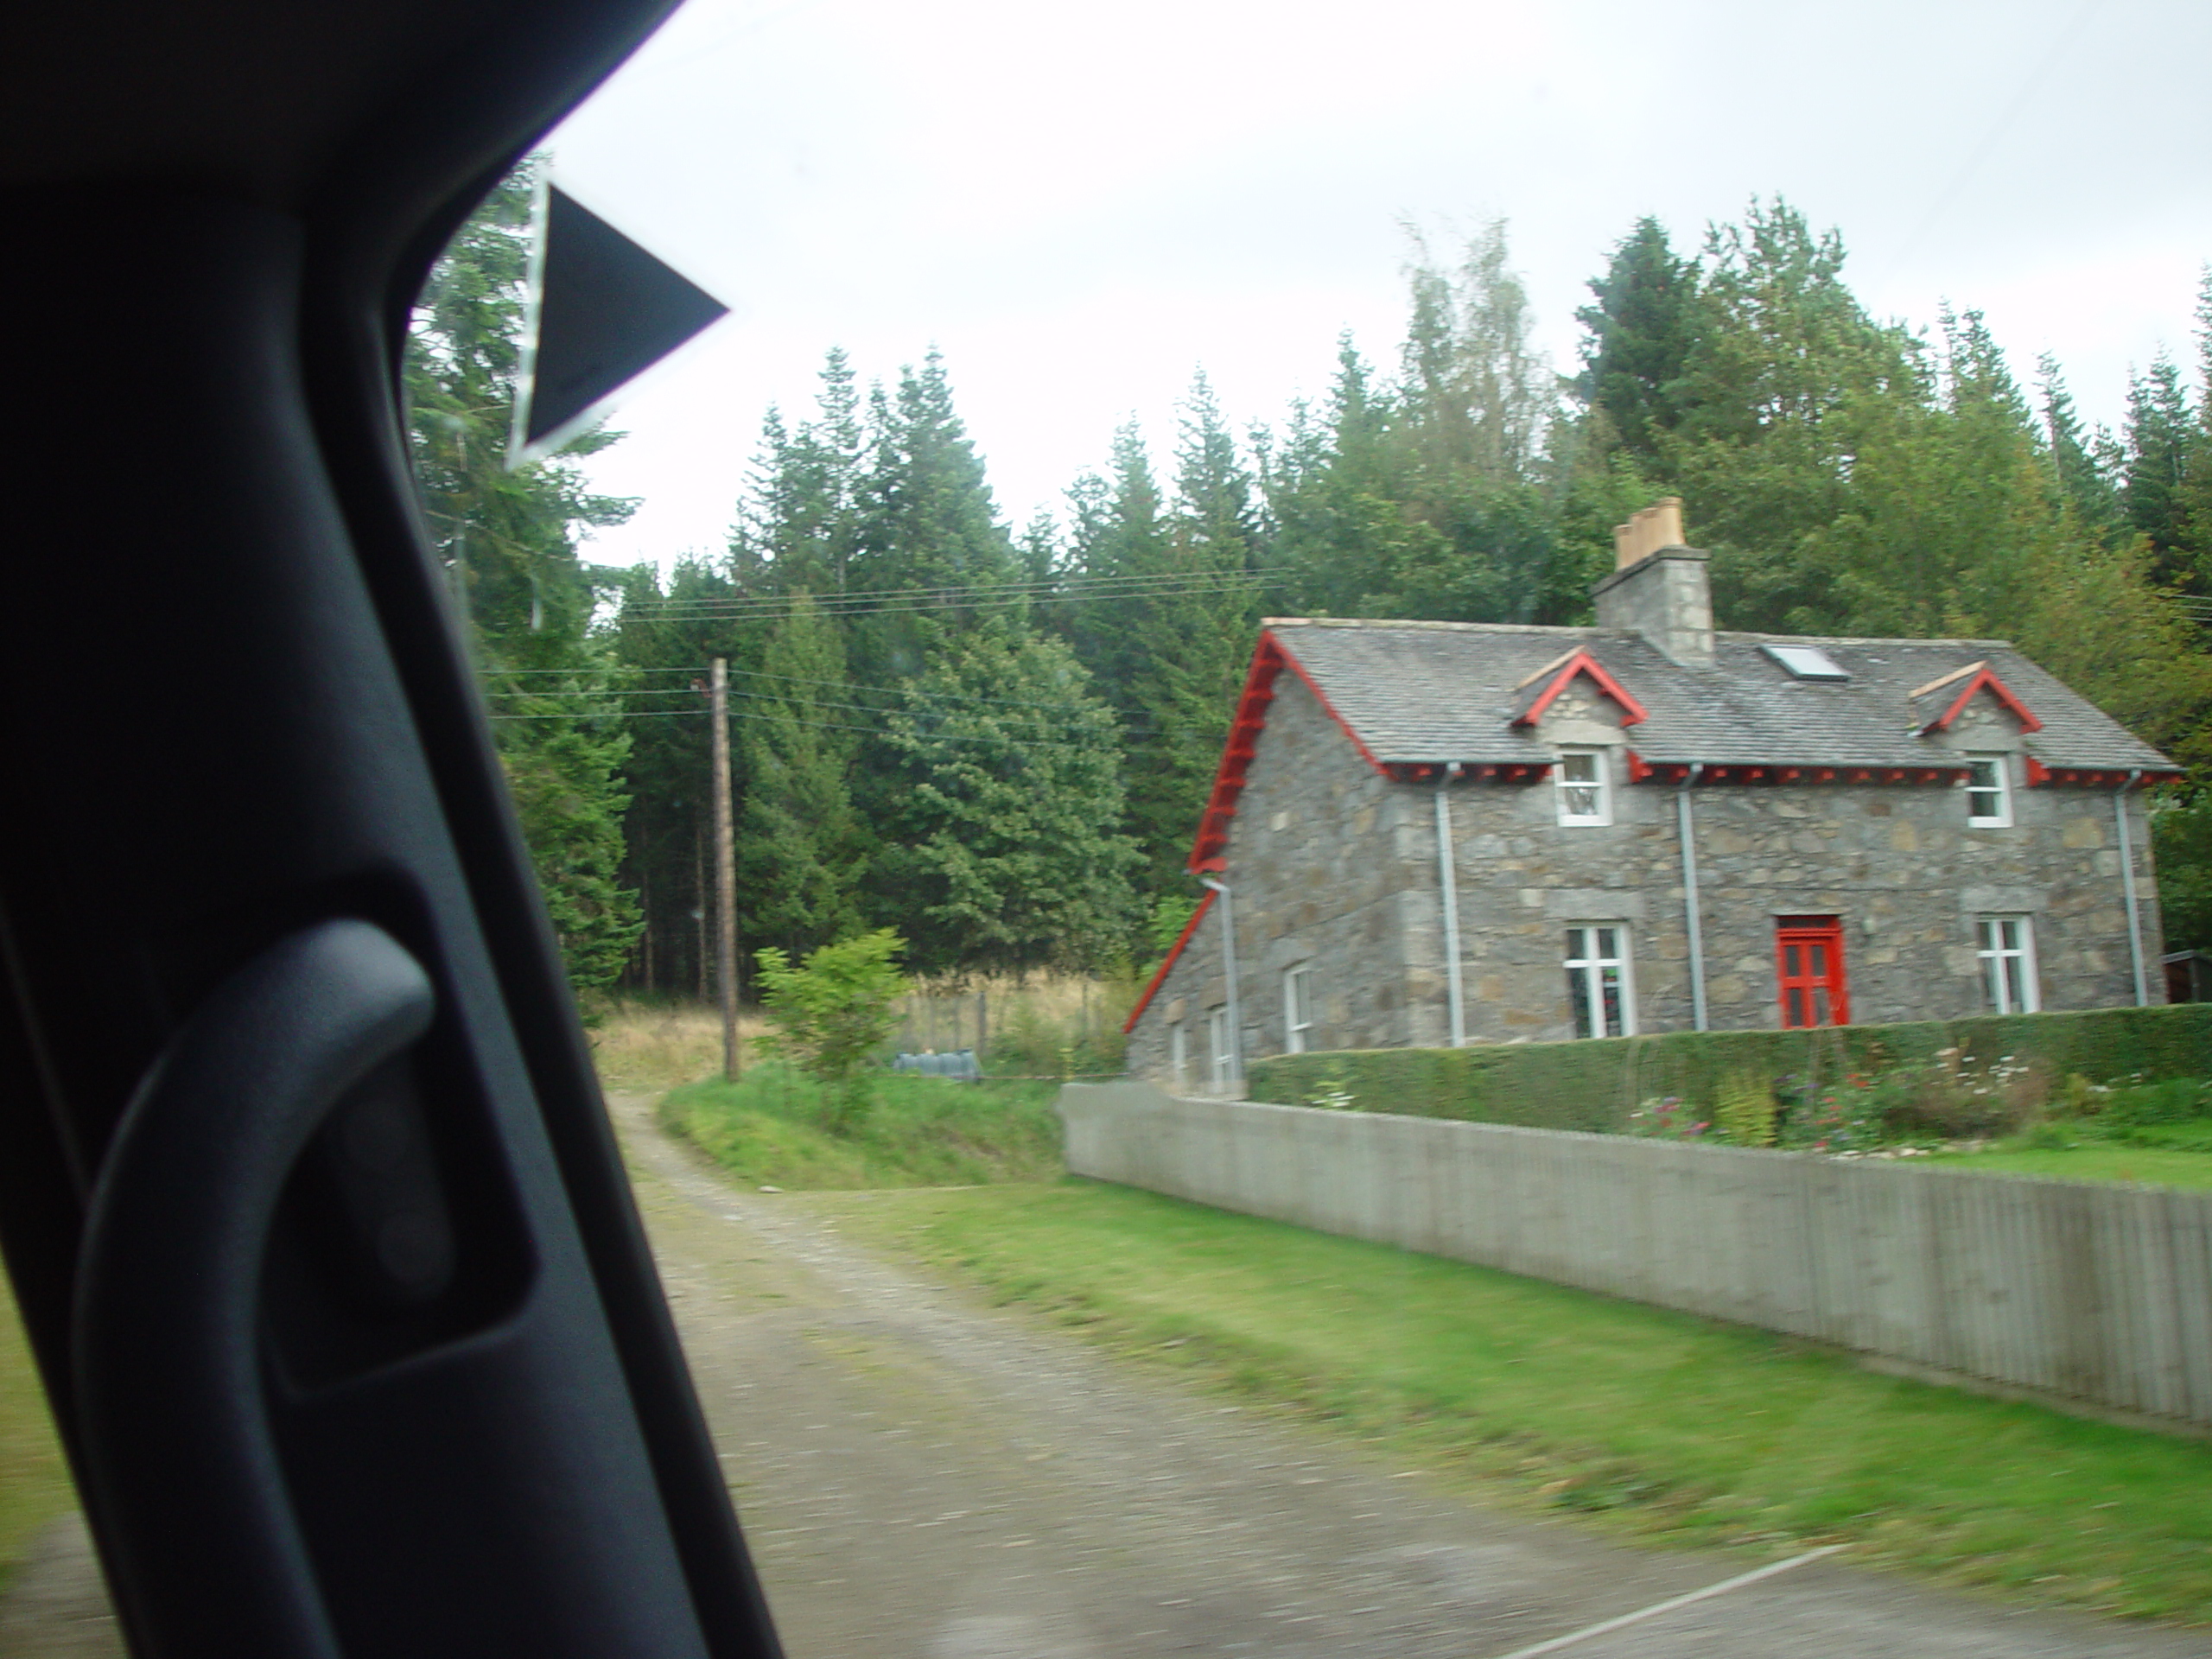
x=1808, y=961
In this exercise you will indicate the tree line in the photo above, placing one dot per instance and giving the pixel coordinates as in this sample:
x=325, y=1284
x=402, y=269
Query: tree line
x=998, y=742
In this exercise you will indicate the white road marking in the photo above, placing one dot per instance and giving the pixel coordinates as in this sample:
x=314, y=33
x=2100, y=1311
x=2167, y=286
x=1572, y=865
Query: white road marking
x=1668, y=1606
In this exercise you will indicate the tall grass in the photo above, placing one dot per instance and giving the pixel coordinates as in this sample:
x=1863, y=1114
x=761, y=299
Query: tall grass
x=642, y=1042
x=774, y=1127
x=1045, y=1025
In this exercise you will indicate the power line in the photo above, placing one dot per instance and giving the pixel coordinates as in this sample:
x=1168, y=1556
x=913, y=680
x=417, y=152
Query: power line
x=905, y=601
x=824, y=725
x=782, y=679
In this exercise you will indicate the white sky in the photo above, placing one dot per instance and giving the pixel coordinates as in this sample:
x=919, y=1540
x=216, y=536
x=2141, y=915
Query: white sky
x=1081, y=205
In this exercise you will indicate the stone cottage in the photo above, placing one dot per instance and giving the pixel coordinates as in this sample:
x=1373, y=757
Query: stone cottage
x=1439, y=833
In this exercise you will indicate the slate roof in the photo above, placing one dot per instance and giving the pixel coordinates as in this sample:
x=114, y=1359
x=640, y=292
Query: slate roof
x=1440, y=691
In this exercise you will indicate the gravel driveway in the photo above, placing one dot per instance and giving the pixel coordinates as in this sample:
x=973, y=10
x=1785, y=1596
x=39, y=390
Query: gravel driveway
x=922, y=1477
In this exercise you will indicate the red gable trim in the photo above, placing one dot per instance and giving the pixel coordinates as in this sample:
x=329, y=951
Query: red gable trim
x=1985, y=680
x=1268, y=661
x=1583, y=663
x=1167, y=966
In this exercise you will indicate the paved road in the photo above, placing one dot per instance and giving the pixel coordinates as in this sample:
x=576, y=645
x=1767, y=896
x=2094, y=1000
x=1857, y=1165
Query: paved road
x=924, y=1478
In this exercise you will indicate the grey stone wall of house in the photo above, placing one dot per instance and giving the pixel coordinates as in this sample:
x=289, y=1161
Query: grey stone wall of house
x=1334, y=867
x=1897, y=864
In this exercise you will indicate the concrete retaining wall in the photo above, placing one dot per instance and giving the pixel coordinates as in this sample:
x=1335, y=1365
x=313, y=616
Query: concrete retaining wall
x=2100, y=1293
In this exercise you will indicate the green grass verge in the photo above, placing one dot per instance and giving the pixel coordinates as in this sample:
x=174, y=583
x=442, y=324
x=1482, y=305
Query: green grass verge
x=34, y=1484
x=1659, y=1422
x=2143, y=1165
x=773, y=1128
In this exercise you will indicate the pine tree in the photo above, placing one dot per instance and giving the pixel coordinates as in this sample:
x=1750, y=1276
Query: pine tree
x=802, y=856
x=1787, y=381
x=926, y=523
x=2153, y=488
x=508, y=538
x=1639, y=339
x=2077, y=457
x=1005, y=854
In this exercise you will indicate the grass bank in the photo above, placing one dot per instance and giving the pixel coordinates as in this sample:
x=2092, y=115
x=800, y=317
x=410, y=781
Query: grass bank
x=1653, y=1421
x=773, y=1128
x=2137, y=1165
x=34, y=1484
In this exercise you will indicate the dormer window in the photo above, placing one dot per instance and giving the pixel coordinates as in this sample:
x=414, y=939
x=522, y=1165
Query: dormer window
x=1585, y=792
x=1989, y=792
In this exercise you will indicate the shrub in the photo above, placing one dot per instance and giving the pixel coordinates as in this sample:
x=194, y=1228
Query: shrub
x=1743, y=1111
x=1845, y=1116
x=1600, y=1084
x=2176, y=1099
x=833, y=1014
x=1667, y=1117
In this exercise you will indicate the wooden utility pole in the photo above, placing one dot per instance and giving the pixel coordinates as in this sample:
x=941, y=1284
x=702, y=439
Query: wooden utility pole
x=725, y=869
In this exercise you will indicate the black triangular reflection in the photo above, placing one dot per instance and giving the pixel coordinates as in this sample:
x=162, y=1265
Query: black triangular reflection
x=606, y=311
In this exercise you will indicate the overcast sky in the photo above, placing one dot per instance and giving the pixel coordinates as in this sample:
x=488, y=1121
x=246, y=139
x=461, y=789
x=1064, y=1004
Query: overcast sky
x=1081, y=205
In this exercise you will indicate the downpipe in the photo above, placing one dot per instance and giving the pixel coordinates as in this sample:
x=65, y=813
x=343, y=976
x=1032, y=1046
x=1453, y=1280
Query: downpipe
x=2128, y=886
x=1235, y=1004
x=1447, y=883
x=1692, y=912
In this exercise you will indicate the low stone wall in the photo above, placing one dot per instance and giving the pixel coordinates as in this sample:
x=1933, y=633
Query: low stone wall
x=2102, y=1294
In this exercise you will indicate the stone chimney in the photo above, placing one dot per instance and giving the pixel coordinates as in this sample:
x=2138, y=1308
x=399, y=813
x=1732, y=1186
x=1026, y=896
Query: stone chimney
x=1658, y=588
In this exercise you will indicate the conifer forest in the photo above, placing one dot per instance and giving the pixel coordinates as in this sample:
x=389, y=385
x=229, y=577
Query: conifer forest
x=997, y=739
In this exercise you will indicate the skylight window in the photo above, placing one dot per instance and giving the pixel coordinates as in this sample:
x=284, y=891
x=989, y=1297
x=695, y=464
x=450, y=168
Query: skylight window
x=1806, y=662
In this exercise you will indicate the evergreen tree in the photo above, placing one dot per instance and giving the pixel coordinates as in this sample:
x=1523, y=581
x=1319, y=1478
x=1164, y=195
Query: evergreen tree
x=2153, y=489
x=1638, y=345
x=1786, y=381
x=926, y=521
x=801, y=853
x=508, y=538
x=1004, y=801
x=2079, y=463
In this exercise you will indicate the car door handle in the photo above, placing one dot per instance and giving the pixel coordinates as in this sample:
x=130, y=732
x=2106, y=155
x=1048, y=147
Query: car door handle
x=171, y=1370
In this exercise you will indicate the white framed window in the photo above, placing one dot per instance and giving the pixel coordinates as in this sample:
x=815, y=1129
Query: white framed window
x=1600, y=981
x=1585, y=792
x=1989, y=791
x=2008, y=963
x=1297, y=1007
x=1221, y=1067
x=1179, y=1055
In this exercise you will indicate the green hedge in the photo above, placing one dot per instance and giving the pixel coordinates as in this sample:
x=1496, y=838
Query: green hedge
x=1595, y=1084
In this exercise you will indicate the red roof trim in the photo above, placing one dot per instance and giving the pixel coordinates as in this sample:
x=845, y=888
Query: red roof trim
x=1167, y=966
x=1985, y=680
x=1269, y=660
x=2041, y=776
x=1583, y=663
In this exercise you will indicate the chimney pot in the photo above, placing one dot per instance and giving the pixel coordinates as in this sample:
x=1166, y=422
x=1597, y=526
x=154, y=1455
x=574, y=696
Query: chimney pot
x=1666, y=599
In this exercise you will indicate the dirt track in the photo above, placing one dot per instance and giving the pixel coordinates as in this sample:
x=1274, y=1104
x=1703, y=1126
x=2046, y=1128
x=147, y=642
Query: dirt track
x=922, y=1477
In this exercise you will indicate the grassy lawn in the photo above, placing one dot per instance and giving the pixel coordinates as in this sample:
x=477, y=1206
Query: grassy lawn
x=1646, y=1419
x=773, y=1128
x=2144, y=1165
x=34, y=1481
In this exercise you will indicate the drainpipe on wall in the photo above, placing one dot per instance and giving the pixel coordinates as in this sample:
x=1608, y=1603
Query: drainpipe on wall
x=2128, y=886
x=1692, y=911
x=1447, y=884
x=1229, y=971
